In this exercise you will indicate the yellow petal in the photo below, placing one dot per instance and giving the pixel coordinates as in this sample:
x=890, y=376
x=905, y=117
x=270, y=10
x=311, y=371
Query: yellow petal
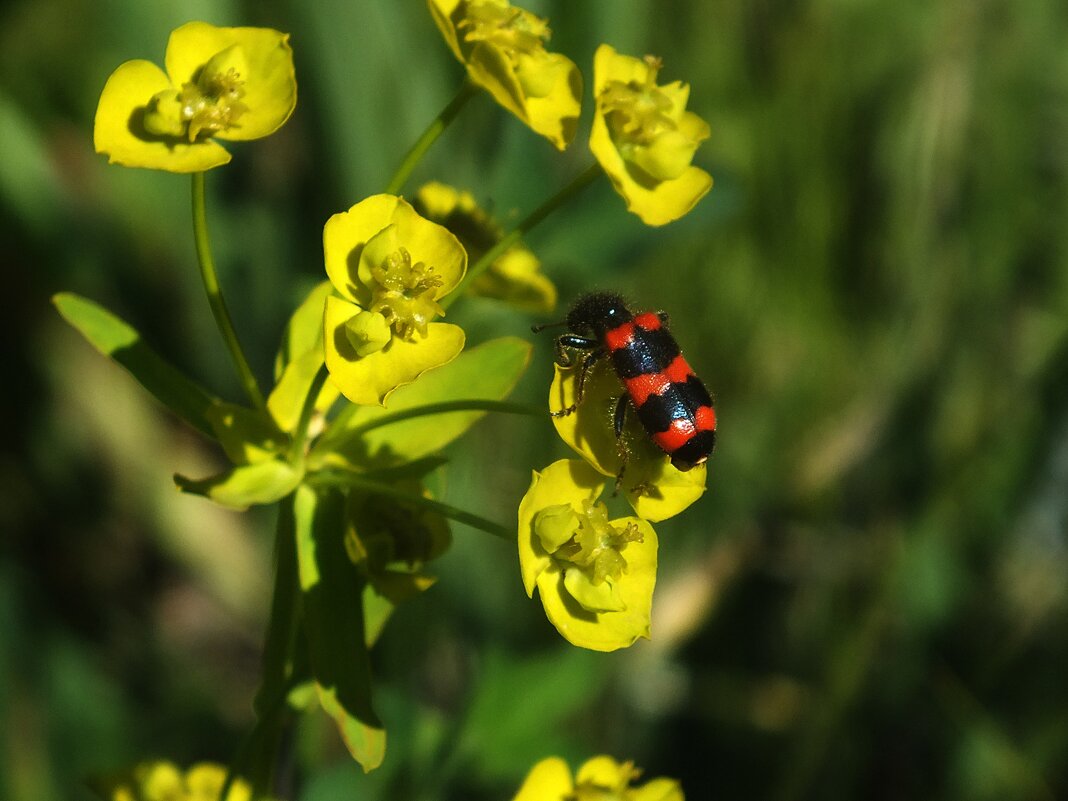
x=661, y=789
x=370, y=379
x=270, y=85
x=592, y=597
x=446, y=14
x=346, y=235
x=119, y=132
x=549, y=780
x=603, y=771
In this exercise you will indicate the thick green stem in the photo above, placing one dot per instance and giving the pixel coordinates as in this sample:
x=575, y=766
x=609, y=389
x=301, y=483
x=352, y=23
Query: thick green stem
x=580, y=182
x=215, y=297
x=429, y=136
x=358, y=481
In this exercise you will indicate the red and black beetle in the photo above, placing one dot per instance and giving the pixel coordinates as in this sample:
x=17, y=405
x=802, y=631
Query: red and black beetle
x=671, y=402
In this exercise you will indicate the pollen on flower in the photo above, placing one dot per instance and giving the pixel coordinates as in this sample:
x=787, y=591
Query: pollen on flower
x=512, y=29
x=644, y=122
x=212, y=103
x=520, y=36
x=405, y=294
x=597, y=544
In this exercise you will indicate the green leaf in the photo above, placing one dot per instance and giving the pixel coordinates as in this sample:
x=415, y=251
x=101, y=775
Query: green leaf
x=304, y=330
x=299, y=360
x=280, y=645
x=247, y=435
x=247, y=485
x=117, y=340
x=332, y=590
x=487, y=372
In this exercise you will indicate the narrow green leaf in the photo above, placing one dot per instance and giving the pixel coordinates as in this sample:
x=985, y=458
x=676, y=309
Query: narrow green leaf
x=283, y=624
x=117, y=340
x=332, y=591
x=247, y=485
x=487, y=372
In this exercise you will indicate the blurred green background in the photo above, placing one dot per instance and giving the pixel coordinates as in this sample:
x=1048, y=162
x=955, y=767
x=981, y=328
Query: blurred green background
x=871, y=601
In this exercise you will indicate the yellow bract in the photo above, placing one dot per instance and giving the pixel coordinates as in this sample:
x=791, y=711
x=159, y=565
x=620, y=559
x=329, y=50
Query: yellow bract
x=655, y=489
x=225, y=83
x=595, y=576
x=645, y=139
x=515, y=276
x=503, y=49
x=391, y=267
x=599, y=779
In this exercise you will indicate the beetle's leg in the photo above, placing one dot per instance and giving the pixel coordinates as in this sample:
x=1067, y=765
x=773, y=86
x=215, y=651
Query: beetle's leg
x=568, y=342
x=580, y=389
x=619, y=421
x=664, y=318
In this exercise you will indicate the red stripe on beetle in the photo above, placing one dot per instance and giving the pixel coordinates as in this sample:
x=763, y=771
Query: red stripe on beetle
x=619, y=337
x=675, y=437
x=705, y=418
x=678, y=371
x=642, y=386
x=648, y=321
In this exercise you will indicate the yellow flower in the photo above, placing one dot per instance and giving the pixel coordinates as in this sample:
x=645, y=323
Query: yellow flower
x=599, y=779
x=515, y=277
x=220, y=83
x=645, y=139
x=503, y=49
x=655, y=489
x=390, y=267
x=595, y=576
x=163, y=781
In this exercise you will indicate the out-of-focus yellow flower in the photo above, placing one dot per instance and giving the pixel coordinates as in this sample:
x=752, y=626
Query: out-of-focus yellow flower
x=655, y=489
x=516, y=276
x=163, y=781
x=391, y=267
x=645, y=139
x=599, y=779
x=503, y=49
x=220, y=83
x=595, y=576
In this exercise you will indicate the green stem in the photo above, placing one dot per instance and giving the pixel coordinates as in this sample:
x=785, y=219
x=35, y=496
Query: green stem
x=215, y=297
x=358, y=481
x=300, y=434
x=580, y=182
x=429, y=136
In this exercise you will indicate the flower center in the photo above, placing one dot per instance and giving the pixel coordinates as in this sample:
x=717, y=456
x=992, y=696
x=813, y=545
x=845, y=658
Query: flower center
x=596, y=545
x=648, y=124
x=404, y=293
x=210, y=103
x=638, y=112
x=496, y=22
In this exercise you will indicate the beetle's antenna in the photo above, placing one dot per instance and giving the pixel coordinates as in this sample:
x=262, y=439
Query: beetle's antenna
x=537, y=328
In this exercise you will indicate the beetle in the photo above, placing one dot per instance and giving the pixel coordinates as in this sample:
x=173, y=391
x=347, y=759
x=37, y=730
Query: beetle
x=672, y=404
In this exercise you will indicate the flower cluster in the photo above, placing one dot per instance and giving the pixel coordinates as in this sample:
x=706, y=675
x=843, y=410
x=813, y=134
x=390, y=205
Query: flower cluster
x=156, y=781
x=370, y=384
x=599, y=779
